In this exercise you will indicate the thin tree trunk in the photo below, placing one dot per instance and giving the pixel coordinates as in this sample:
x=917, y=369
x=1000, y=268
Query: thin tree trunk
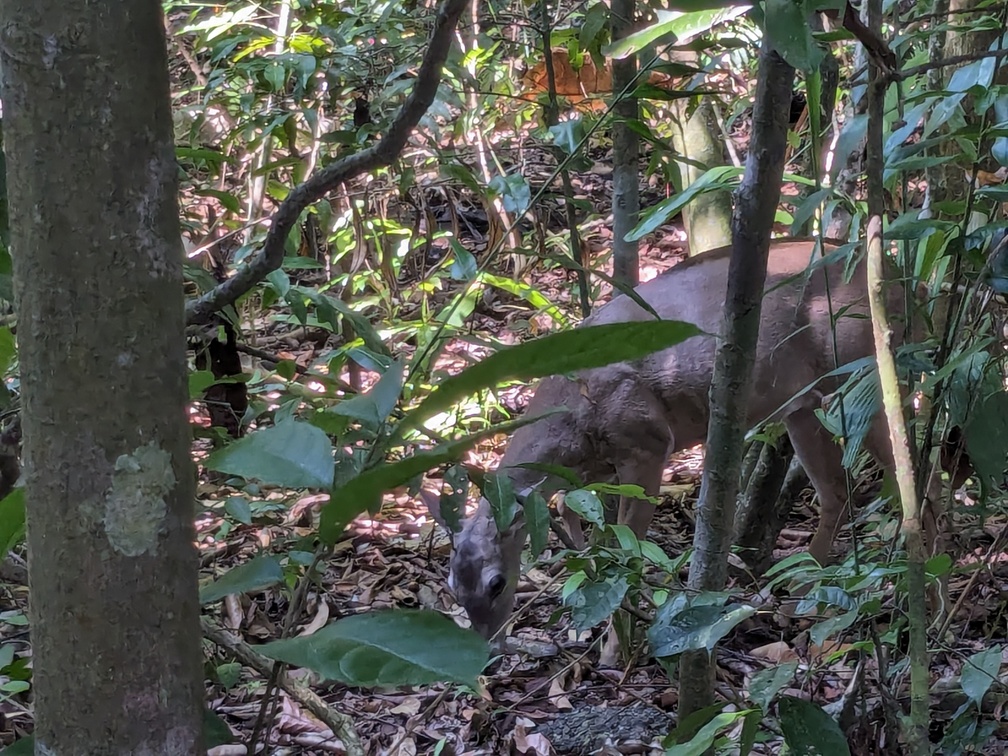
x=625, y=197
x=91, y=175
x=752, y=221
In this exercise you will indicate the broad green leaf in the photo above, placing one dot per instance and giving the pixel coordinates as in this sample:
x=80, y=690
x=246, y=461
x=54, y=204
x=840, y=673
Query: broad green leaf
x=254, y=575
x=626, y=539
x=676, y=26
x=587, y=505
x=537, y=522
x=810, y=731
x=500, y=493
x=986, y=436
x=694, y=628
x=980, y=672
x=702, y=742
x=388, y=648
x=291, y=454
x=767, y=683
x=788, y=31
x=580, y=349
x=374, y=407
x=12, y=521
x=365, y=490
x=596, y=600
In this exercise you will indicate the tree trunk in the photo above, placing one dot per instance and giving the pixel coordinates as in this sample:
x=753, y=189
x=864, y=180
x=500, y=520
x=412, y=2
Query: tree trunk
x=696, y=138
x=752, y=222
x=91, y=176
x=625, y=197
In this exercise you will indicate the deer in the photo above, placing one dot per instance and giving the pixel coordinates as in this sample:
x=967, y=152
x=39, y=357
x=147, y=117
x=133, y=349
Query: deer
x=622, y=422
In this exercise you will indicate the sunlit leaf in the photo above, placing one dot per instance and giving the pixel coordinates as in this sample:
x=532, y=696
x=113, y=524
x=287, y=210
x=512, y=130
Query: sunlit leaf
x=291, y=454
x=580, y=349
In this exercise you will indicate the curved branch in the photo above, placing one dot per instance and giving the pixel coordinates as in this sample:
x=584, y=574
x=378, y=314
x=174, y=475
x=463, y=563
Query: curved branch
x=379, y=155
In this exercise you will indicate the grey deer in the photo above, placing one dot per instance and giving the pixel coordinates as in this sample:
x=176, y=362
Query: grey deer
x=623, y=421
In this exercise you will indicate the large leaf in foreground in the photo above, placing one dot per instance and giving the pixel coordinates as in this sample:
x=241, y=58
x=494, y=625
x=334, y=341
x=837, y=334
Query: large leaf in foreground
x=580, y=349
x=390, y=648
x=290, y=454
x=365, y=491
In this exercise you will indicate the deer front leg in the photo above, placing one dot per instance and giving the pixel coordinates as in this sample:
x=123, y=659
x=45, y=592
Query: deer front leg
x=822, y=459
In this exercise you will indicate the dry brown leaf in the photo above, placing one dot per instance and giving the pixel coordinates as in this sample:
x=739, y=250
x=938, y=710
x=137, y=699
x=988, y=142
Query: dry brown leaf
x=778, y=652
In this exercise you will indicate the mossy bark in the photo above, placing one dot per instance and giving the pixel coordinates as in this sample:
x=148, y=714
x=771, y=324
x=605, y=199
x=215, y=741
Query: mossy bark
x=91, y=177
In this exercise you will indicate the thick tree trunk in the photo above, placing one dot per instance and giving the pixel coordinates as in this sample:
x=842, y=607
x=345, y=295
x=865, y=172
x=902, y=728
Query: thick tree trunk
x=731, y=384
x=91, y=176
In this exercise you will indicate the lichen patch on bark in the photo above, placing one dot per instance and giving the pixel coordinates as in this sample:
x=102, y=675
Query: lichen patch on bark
x=136, y=505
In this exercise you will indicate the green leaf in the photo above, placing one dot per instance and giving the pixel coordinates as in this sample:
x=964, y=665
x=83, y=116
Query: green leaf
x=823, y=630
x=537, y=522
x=291, y=454
x=702, y=742
x=596, y=600
x=463, y=267
x=500, y=493
x=365, y=490
x=587, y=505
x=788, y=32
x=514, y=192
x=533, y=296
x=694, y=627
x=12, y=521
x=676, y=26
x=580, y=349
x=256, y=574
x=8, y=350
x=722, y=178
x=215, y=730
x=374, y=407
x=768, y=682
x=810, y=731
x=980, y=672
x=986, y=436
x=238, y=508
x=21, y=747
x=388, y=648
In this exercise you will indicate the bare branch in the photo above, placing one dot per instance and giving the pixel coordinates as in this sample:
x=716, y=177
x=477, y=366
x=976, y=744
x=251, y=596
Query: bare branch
x=379, y=155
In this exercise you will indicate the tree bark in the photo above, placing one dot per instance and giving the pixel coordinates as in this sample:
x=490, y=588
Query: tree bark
x=696, y=137
x=625, y=194
x=752, y=221
x=91, y=175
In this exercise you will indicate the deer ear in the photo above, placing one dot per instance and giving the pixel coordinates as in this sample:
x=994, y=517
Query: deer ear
x=432, y=501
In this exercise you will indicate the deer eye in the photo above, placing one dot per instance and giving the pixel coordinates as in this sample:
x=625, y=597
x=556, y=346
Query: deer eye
x=496, y=587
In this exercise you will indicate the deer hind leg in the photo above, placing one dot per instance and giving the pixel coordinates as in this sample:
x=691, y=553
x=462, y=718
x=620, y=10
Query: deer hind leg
x=822, y=459
x=644, y=469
